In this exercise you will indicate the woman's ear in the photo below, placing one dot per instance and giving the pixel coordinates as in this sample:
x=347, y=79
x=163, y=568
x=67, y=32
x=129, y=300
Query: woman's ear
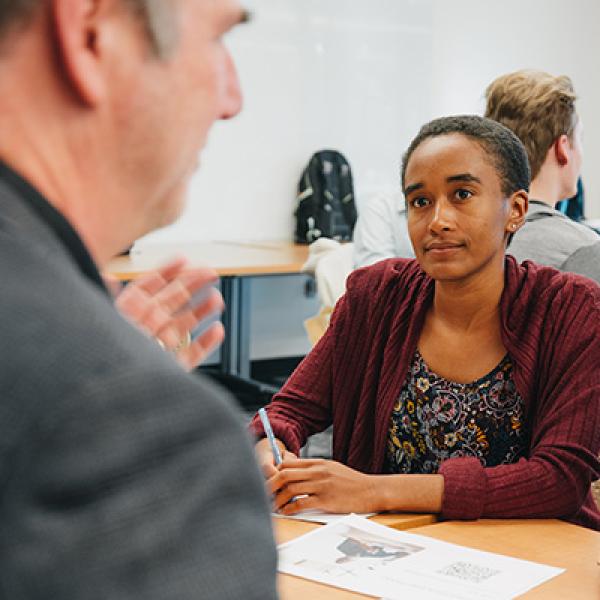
x=518, y=205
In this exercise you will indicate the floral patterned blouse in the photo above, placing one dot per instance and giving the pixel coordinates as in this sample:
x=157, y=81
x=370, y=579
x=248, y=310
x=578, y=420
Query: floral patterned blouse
x=435, y=419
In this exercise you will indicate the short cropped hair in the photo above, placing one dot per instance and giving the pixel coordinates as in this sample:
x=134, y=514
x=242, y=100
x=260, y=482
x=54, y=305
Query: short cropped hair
x=537, y=106
x=15, y=11
x=156, y=16
x=503, y=147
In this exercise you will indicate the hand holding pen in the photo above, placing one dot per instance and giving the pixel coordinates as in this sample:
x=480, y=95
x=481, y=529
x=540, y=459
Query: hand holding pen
x=270, y=452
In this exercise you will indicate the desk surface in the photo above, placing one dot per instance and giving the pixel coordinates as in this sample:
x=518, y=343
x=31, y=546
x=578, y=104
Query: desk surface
x=550, y=541
x=227, y=258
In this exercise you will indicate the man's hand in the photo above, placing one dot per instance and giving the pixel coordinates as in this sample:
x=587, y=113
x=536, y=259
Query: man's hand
x=264, y=457
x=321, y=484
x=164, y=304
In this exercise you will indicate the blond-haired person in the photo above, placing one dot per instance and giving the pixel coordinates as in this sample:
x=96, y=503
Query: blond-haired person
x=540, y=109
x=450, y=380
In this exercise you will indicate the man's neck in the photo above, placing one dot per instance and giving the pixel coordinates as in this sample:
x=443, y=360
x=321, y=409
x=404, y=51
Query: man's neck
x=64, y=193
x=73, y=176
x=546, y=188
x=66, y=163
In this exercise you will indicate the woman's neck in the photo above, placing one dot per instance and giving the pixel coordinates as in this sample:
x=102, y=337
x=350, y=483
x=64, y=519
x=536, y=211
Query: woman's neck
x=468, y=305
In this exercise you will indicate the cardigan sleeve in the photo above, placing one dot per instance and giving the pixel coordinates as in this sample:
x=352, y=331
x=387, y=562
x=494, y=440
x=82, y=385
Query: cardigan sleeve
x=554, y=479
x=303, y=405
x=552, y=482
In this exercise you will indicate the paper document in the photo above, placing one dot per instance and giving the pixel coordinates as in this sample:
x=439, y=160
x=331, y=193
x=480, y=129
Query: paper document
x=356, y=554
x=318, y=516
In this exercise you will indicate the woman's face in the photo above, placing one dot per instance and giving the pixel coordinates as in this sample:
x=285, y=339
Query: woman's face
x=458, y=216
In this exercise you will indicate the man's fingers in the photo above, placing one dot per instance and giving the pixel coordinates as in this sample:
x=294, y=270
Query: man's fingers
x=193, y=321
x=212, y=304
x=153, y=282
x=174, y=296
x=187, y=290
x=156, y=318
x=201, y=347
x=172, y=339
x=132, y=302
x=169, y=304
x=199, y=282
x=206, y=331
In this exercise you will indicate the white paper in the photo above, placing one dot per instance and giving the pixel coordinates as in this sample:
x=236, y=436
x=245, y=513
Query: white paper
x=318, y=516
x=359, y=555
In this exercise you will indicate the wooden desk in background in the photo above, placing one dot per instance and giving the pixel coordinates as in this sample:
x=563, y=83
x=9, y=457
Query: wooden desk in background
x=550, y=541
x=235, y=262
x=229, y=259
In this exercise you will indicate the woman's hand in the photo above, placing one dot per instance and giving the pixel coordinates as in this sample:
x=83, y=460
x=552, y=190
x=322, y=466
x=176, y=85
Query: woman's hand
x=264, y=457
x=170, y=304
x=322, y=484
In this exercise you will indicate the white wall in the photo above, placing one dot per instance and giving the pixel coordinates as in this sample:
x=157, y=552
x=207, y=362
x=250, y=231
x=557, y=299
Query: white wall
x=362, y=76
x=315, y=73
x=474, y=41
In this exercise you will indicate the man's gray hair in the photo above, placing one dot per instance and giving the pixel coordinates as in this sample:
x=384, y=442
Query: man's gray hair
x=158, y=17
x=13, y=11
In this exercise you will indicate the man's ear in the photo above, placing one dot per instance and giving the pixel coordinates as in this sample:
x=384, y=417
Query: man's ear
x=77, y=28
x=562, y=147
x=518, y=205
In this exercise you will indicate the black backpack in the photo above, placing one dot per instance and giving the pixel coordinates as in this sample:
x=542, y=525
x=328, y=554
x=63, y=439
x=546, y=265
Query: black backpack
x=326, y=205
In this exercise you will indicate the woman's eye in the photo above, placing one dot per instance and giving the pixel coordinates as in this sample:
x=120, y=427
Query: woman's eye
x=463, y=194
x=419, y=202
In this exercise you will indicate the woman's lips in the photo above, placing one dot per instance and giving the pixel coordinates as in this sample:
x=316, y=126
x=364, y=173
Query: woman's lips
x=443, y=249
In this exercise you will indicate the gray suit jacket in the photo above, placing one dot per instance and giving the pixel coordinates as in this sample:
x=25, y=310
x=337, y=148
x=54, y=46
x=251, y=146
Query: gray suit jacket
x=120, y=475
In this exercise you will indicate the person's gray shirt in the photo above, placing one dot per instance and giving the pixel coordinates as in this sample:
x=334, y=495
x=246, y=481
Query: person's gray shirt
x=121, y=476
x=551, y=238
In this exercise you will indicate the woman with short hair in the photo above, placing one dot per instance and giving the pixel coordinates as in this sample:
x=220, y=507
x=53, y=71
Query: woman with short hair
x=461, y=382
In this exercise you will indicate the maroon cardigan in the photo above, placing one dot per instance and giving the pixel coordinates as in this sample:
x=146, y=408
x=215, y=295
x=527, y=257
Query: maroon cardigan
x=550, y=325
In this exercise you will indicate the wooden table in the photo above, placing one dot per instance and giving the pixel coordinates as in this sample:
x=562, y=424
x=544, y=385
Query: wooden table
x=229, y=259
x=235, y=262
x=547, y=541
x=552, y=542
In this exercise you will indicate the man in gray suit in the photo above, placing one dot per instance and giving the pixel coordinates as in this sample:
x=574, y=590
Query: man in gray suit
x=121, y=476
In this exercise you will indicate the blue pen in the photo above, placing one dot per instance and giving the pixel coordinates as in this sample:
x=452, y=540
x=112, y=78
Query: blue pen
x=264, y=419
x=262, y=413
